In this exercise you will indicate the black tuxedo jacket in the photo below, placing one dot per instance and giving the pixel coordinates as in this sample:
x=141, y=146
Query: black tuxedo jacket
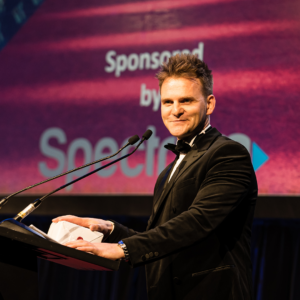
x=197, y=243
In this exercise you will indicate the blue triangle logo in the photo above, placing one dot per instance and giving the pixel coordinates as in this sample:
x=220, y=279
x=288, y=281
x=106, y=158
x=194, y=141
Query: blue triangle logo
x=259, y=157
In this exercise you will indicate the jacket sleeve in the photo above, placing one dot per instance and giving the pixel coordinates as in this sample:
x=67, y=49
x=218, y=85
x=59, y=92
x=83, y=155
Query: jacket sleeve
x=228, y=179
x=119, y=233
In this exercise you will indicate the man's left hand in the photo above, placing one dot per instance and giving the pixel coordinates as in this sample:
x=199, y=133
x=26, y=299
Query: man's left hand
x=107, y=250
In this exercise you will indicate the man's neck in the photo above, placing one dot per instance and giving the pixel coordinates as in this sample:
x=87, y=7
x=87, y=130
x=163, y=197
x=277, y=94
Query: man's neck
x=189, y=138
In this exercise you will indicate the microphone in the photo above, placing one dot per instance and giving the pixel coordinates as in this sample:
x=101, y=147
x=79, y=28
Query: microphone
x=33, y=206
x=131, y=141
x=147, y=135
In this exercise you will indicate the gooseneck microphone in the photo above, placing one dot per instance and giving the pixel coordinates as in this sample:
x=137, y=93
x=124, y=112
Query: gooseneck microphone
x=131, y=141
x=31, y=207
x=146, y=135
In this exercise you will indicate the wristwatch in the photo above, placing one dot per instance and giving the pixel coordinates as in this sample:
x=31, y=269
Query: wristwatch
x=124, y=248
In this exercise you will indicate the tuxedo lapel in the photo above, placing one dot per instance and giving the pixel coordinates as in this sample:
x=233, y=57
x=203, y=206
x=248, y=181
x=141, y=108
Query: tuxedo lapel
x=190, y=158
x=160, y=192
x=162, y=184
x=202, y=143
x=165, y=186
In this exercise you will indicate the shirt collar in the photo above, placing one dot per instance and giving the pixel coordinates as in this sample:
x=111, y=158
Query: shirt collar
x=202, y=132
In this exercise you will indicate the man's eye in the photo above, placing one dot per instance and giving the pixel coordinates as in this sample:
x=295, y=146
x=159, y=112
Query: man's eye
x=185, y=100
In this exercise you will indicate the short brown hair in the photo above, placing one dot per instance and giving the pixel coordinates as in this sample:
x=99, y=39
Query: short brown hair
x=187, y=66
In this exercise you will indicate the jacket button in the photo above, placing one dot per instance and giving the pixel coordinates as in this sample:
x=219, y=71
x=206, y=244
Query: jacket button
x=143, y=258
x=151, y=254
x=156, y=253
x=174, y=210
x=177, y=280
x=147, y=256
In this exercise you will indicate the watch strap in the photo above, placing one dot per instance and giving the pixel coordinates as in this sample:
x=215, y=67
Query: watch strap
x=124, y=248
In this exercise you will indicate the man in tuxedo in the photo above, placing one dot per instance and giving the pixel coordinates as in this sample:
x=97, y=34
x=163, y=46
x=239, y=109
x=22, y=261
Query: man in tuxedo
x=197, y=243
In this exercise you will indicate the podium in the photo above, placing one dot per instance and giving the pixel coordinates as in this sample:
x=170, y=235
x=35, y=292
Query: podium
x=19, y=249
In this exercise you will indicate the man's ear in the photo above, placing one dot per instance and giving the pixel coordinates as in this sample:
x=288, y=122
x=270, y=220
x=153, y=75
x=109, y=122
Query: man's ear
x=211, y=104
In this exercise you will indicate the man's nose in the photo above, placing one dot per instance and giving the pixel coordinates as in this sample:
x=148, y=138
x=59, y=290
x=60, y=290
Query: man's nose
x=177, y=110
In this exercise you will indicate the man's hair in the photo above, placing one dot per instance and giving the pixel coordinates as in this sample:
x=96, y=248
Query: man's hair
x=188, y=66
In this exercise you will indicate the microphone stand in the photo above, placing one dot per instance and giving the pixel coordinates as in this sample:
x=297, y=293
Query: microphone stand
x=131, y=141
x=15, y=224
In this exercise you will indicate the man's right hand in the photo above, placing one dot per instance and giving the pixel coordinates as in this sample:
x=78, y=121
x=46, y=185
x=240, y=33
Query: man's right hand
x=93, y=224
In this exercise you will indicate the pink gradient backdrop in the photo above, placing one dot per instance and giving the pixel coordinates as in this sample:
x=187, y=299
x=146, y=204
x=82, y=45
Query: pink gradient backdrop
x=52, y=75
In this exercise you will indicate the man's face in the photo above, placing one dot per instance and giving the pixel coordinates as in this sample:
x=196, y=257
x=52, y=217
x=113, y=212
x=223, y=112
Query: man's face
x=183, y=106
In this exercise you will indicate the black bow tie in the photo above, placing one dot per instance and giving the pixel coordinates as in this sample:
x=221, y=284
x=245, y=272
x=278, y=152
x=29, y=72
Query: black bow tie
x=181, y=147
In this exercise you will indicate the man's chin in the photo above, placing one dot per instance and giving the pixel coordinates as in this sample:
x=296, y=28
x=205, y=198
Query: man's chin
x=179, y=134
x=183, y=135
x=178, y=130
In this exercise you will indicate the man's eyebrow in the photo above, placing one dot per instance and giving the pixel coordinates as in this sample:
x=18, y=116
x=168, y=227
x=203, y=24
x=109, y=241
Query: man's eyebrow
x=180, y=99
x=187, y=98
x=166, y=99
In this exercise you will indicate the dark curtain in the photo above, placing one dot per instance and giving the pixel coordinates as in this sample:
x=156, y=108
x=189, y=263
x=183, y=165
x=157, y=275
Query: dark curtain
x=275, y=257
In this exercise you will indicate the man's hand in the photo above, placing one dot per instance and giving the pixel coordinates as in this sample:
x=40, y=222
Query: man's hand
x=110, y=251
x=93, y=224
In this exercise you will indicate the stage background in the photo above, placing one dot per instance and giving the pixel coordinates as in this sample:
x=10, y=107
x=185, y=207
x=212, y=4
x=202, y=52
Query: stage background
x=77, y=78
